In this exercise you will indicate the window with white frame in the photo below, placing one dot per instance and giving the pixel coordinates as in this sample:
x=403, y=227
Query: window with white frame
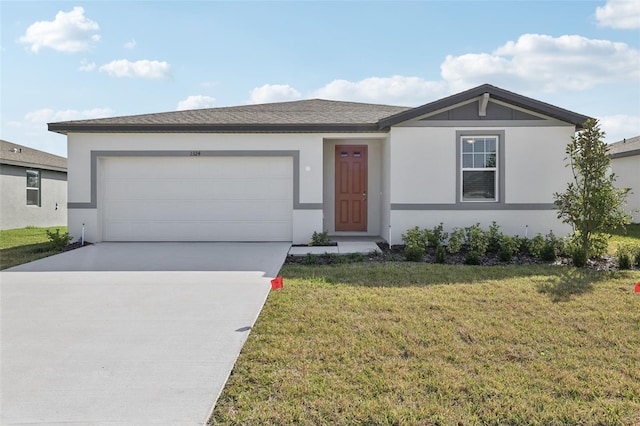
x=33, y=188
x=479, y=169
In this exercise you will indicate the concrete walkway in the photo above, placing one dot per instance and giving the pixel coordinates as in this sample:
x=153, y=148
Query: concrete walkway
x=87, y=340
x=343, y=247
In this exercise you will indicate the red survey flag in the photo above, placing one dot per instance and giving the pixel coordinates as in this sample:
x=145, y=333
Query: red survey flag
x=638, y=287
x=276, y=283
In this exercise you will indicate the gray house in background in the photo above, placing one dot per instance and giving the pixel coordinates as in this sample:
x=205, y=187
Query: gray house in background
x=33, y=187
x=625, y=163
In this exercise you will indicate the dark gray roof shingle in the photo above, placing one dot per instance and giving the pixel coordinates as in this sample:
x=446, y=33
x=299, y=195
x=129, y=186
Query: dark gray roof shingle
x=19, y=155
x=625, y=148
x=313, y=115
x=291, y=116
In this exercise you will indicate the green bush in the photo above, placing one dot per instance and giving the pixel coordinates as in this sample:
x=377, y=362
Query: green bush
x=535, y=245
x=476, y=240
x=436, y=237
x=413, y=253
x=507, y=247
x=441, y=254
x=455, y=241
x=320, y=239
x=626, y=256
x=59, y=241
x=636, y=254
x=552, y=247
x=578, y=255
x=495, y=236
x=414, y=244
x=472, y=258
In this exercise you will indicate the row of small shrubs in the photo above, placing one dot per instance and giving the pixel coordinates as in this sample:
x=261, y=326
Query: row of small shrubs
x=475, y=242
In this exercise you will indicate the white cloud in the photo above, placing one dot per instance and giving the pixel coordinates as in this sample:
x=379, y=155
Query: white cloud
x=154, y=70
x=398, y=90
x=618, y=127
x=542, y=62
x=68, y=32
x=47, y=115
x=196, y=102
x=619, y=14
x=86, y=66
x=130, y=44
x=274, y=93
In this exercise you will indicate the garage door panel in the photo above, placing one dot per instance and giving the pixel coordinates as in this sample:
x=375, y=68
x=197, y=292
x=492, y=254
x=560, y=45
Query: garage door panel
x=195, y=189
x=197, y=199
x=198, y=210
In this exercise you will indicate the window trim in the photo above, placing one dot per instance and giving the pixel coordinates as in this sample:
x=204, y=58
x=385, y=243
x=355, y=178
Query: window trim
x=499, y=169
x=38, y=189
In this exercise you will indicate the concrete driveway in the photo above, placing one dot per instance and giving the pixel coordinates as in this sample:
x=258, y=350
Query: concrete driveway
x=128, y=333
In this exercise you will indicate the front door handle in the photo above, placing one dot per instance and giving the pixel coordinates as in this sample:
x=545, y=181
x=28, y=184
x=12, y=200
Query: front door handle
x=364, y=196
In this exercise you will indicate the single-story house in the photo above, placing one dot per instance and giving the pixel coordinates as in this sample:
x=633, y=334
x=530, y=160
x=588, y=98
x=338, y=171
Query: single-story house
x=280, y=171
x=625, y=164
x=33, y=185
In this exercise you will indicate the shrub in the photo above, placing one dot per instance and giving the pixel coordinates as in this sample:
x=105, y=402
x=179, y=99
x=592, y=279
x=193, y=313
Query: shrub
x=441, y=254
x=636, y=254
x=495, y=236
x=413, y=253
x=627, y=255
x=624, y=256
x=455, y=241
x=578, y=254
x=476, y=240
x=472, y=258
x=507, y=247
x=436, y=237
x=552, y=247
x=415, y=244
x=535, y=245
x=320, y=239
x=59, y=241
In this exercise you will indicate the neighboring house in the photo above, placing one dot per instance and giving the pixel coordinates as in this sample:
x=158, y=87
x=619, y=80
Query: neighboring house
x=279, y=172
x=625, y=164
x=33, y=187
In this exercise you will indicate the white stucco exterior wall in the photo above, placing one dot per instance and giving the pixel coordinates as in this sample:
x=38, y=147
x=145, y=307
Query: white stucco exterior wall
x=14, y=211
x=424, y=168
x=627, y=171
x=311, y=164
x=422, y=165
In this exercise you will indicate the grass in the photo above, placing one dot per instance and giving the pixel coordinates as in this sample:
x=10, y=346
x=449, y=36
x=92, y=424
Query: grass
x=403, y=343
x=630, y=235
x=18, y=246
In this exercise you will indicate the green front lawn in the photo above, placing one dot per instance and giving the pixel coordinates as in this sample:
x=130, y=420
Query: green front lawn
x=18, y=246
x=409, y=343
x=630, y=235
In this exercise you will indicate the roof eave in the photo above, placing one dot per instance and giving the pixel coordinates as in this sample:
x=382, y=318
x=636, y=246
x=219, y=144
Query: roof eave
x=29, y=165
x=68, y=127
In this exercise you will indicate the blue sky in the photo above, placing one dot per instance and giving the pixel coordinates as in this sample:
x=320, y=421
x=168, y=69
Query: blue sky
x=73, y=60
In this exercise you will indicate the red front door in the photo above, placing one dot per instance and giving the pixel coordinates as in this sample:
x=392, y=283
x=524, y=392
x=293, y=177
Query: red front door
x=351, y=188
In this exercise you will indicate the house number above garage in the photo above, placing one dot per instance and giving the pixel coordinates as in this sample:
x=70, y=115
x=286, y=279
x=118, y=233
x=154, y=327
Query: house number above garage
x=194, y=154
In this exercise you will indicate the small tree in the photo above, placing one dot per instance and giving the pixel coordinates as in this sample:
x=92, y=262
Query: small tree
x=591, y=204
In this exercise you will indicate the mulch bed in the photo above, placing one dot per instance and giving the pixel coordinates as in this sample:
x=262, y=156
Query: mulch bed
x=396, y=253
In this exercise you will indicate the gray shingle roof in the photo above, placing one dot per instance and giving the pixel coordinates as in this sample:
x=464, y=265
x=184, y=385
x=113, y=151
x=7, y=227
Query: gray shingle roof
x=625, y=148
x=19, y=155
x=306, y=115
x=313, y=115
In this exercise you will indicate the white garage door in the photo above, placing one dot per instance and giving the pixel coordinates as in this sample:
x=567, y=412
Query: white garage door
x=196, y=198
